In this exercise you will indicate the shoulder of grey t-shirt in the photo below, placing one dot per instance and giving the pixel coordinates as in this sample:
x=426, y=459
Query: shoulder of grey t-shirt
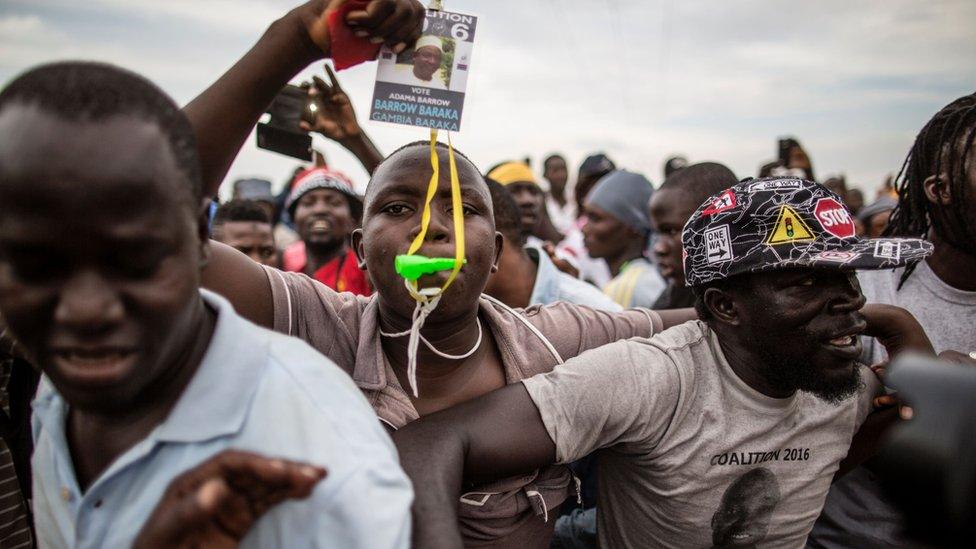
x=327, y=320
x=624, y=393
x=573, y=329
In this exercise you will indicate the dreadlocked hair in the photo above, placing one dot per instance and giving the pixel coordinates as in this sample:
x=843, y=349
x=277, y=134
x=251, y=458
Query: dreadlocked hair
x=942, y=147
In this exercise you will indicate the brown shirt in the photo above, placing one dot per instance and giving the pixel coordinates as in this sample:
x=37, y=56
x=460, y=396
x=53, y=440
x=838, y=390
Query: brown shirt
x=345, y=328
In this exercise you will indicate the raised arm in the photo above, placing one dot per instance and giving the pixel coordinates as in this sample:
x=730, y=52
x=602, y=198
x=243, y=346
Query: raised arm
x=224, y=114
x=492, y=437
x=336, y=119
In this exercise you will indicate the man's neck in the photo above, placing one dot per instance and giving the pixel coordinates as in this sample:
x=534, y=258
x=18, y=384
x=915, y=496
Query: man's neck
x=617, y=263
x=436, y=375
x=952, y=265
x=745, y=362
x=518, y=282
x=559, y=195
x=97, y=438
x=318, y=255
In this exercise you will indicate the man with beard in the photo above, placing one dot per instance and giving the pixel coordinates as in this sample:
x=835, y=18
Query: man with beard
x=766, y=378
x=669, y=209
x=937, y=201
x=326, y=211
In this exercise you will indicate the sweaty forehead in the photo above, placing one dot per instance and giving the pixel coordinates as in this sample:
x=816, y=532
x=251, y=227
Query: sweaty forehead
x=50, y=150
x=411, y=166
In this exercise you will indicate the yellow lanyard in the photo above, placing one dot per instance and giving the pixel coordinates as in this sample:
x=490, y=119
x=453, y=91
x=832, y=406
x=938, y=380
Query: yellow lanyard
x=457, y=211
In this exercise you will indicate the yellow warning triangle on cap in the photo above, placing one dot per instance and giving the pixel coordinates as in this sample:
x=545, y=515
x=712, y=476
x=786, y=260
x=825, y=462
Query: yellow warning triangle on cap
x=789, y=228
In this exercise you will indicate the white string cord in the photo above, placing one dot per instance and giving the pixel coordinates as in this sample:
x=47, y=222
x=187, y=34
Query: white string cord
x=420, y=314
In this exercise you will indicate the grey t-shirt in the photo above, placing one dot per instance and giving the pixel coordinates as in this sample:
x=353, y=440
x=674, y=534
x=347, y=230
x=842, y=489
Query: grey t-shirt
x=857, y=512
x=693, y=456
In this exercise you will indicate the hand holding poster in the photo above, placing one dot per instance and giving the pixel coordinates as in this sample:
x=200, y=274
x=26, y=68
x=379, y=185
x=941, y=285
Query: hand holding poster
x=425, y=85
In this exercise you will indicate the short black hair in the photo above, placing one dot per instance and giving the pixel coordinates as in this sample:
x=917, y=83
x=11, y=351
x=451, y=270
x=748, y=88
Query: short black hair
x=241, y=209
x=701, y=181
x=550, y=158
x=422, y=143
x=426, y=143
x=508, y=220
x=90, y=91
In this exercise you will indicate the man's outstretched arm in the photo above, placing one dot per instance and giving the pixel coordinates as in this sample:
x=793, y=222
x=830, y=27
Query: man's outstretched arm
x=498, y=435
x=224, y=114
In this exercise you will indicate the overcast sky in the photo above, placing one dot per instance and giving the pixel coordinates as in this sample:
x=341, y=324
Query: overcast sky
x=639, y=79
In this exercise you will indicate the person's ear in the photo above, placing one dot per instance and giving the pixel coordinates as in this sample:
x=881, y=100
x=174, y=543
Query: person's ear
x=203, y=231
x=499, y=246
x=356, y=237
x=937, y=190
x=722, y=305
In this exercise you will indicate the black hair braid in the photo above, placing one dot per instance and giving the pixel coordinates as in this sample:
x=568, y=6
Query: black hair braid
x=942, y=146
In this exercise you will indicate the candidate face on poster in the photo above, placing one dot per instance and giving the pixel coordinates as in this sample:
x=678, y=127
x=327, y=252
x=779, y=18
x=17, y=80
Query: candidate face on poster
x=425, y=85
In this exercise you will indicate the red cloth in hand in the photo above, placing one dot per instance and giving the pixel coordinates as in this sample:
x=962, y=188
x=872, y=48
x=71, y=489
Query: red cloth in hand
x=349, y=50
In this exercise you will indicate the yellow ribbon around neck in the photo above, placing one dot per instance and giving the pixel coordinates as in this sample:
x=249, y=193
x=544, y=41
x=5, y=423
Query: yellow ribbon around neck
x=456, y=209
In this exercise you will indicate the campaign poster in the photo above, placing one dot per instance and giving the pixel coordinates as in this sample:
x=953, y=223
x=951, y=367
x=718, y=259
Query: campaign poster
x=425, y=85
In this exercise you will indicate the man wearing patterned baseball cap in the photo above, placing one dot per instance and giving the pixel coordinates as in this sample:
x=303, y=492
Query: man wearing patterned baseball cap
x=722, y=431
x=776, y=223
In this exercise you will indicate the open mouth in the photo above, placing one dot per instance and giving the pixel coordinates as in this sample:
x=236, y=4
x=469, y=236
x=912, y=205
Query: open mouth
x=93, y=366
x=320, y=226
x=847, y=344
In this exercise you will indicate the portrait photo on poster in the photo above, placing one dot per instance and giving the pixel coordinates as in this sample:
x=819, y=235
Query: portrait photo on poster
x=425, y=85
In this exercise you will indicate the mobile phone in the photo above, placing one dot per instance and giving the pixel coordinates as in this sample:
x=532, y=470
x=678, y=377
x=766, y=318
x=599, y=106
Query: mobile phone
x=784, y=145
x=282, y=134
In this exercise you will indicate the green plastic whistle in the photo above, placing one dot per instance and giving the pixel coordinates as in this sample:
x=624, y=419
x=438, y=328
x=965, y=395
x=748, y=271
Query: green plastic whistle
x=413, y=267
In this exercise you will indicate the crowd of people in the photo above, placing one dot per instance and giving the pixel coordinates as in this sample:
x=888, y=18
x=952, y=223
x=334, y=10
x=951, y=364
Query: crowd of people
x=697, y=363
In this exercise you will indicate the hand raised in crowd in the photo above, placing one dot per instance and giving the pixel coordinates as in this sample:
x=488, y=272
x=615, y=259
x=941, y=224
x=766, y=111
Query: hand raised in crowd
x=334, y=115
x=898, y=331
x=225, y=113
x=335, y=118
x=396, y=23
x=560, y=263
x=216, y=503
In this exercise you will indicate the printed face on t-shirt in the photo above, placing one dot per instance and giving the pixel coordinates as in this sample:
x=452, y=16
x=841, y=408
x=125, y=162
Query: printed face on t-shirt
x=742, y=519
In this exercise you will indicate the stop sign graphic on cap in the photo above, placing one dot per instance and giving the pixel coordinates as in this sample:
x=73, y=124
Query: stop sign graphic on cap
x=834, y=218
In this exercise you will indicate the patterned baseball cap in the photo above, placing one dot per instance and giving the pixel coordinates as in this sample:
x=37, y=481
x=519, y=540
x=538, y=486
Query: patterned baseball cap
x=780, y=222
